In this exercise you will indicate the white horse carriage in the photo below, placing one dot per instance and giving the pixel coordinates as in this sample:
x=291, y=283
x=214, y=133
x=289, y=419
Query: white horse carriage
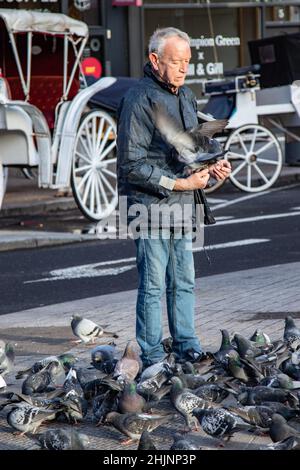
x=45, y=118
x=255, y=117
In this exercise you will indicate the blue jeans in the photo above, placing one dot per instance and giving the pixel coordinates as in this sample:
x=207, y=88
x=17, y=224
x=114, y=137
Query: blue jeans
x=165, y=264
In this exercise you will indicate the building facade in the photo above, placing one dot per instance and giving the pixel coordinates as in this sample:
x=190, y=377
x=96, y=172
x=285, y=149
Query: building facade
x=219, y=30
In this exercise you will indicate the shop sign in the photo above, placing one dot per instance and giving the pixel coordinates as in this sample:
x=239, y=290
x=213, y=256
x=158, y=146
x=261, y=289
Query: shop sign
x=201, y=66
x=127, y=3
x=92, y=67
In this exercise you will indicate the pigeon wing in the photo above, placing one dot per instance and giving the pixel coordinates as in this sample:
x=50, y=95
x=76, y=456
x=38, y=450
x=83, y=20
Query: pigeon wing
x=210, y=128
x=171, y=132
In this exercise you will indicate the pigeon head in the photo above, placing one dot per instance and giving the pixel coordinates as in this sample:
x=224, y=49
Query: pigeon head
x=176, y=383
x=111, y=416
x=130, y=388
x=67, y=360
x=278, y=419
x=289, y=322
x=10, y=351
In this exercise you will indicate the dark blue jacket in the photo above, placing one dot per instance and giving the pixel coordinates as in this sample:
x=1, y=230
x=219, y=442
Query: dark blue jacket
x=143, y=156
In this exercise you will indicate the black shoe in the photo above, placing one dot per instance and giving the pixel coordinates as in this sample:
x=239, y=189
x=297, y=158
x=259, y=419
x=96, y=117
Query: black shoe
x=195, y=356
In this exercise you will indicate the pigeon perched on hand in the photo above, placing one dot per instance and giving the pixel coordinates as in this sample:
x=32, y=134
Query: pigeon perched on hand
x=195, y=147
x=86, y=330
x=63, y=439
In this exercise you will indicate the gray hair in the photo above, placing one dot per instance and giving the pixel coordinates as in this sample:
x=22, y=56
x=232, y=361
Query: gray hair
x=158, y=38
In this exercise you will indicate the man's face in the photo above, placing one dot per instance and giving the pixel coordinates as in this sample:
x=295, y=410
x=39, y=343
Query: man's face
x=173, y=64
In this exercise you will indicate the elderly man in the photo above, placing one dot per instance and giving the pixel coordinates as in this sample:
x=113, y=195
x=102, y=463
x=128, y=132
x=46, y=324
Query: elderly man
x=149, y=174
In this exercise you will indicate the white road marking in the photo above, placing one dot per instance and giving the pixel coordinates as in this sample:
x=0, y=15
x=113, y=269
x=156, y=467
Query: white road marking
x=254, y=219
x=251, y=196
x=215, y=200
x=224, y=217
x=250, y=241
x=96, y=270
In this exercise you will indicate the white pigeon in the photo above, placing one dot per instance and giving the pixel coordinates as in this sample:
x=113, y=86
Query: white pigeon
x=87, y=330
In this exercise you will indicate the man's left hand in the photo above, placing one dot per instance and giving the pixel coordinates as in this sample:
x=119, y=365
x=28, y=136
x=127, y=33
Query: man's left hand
x=220, y=170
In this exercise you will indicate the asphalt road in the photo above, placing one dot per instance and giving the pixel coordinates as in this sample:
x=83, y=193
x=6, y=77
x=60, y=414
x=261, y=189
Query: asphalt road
x=252, y=231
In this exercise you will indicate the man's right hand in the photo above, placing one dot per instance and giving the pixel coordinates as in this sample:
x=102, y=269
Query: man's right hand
x=197, y=180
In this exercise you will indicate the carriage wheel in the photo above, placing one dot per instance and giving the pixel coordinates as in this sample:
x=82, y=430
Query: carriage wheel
x=93, y=177
x=256, y=158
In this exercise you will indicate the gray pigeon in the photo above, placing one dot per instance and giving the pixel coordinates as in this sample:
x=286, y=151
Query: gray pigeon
x=195, y=147
x=87, y=330
x=63, y=439
x=25, y=418
x=291, y=334
x=7, y=357
x=280, y=429
x=104, y=404
x=132, y=425
x=182, y=443
x=103, y=358
x=226, y=350
x=290, y=443
x=40, y=382
x=259, y=394
x=145, y=442
x=219, y=422
x=246, y=349
x=185, y=401
x=128, y=367
x=65, y=360
x=130, y=401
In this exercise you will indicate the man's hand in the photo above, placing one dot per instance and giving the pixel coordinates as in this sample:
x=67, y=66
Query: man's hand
x=220, y=170
x=197, y=180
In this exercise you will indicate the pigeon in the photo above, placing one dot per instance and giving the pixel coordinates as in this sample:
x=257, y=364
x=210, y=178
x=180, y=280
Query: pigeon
x=166, y=365
x=103, y=358
x=219, y=422
x=104, y=404
x=282, y=409
x=40, y=382
x=290, y=443
x=280, y=429
x=293, y=370
x=281, y=380
x=63, y=439
x=245, y=348
x=188, y=380
x=130, y=401
x=72, y=383
x=185, y=401
x=194, y=147
x=133, y=424
x=257, y=415
x=65, y=360
x=236, y=369
x=291, y=334
x=257, y=395
x=182, y=443
x=25, y=418
x=128, y=367
x=211, y=392
x=226, y=350
x=7, y=357
x=145, y=442
x=261, y=340
x=86, y=330
x=73, y=407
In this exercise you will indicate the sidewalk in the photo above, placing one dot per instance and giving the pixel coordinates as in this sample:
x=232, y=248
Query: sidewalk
x=23, y=198
x=240, y=302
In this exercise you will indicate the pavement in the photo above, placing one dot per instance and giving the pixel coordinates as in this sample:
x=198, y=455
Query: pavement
x=239, y=301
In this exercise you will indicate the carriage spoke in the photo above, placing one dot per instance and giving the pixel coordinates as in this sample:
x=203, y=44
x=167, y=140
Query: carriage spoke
x=107, y=150
x=102, y=189
x=82, y=168
x=88, y=139
x=94, y=133
x=83, y=157
x=264, y=160
x=111, y=160
x=105, y=138
x=85, y=146
x=235, y=156
x=92, y=194
x=253, y=140
x=99, y=135
x=243, y=144
x=109, y=172
x=238, y=168
x=260, y=172
x=249, y=176
x=87, y=188
x=107, y=183
x=83, y=179
x=265, y=147
x=98, y=194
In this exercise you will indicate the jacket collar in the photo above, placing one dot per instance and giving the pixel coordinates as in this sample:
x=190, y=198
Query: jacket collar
x=149, y=72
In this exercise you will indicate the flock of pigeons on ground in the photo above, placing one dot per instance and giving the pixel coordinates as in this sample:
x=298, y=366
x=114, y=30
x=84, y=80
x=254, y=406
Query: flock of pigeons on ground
x=262, y=379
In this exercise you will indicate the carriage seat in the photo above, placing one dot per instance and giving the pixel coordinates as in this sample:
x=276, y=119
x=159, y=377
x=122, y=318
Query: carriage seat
x=45, y=93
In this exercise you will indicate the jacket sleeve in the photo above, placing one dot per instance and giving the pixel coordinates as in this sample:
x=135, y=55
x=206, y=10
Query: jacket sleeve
x=135, y=131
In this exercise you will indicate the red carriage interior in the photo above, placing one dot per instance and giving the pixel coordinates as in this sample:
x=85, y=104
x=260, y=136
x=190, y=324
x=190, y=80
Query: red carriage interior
x=46, y=85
